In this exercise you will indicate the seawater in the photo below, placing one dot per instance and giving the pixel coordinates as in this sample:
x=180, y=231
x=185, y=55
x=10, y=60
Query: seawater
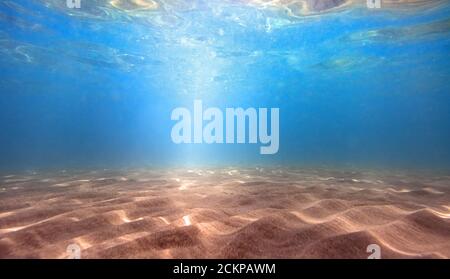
x=95, y=86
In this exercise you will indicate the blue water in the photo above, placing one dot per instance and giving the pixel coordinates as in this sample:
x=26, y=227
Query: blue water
x=95, y=87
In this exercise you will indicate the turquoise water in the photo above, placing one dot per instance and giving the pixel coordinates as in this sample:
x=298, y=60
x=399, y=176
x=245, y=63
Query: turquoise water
x=95, y=86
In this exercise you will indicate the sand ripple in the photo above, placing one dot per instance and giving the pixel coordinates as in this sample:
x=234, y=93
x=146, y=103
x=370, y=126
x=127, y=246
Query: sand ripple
x=282, y=213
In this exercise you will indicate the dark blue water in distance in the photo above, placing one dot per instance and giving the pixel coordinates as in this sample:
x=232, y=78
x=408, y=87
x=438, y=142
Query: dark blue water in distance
x=95, y=86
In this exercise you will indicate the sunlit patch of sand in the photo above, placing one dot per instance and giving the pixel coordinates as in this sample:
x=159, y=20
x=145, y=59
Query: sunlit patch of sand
x=116, y=242
x=5, y=214
x=184, y=185
x=164, y=220
x=445, y=215
x=246, y=218
x=326, y=178
x=306, y=218
x=399, y=251
x=61, y=184
x=432, y=191
x=140, y=198
x=123, y=218
x=7, y=230
x=398, y=191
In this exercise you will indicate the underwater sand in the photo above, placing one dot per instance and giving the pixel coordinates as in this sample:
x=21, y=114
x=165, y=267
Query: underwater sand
x=224, y=213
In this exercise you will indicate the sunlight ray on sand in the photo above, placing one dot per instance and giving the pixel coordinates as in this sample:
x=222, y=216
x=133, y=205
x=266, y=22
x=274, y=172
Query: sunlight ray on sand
x=164, y=220
x=7, y=230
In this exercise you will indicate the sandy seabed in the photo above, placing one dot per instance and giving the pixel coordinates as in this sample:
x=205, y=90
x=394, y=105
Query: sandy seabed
x=224, y=213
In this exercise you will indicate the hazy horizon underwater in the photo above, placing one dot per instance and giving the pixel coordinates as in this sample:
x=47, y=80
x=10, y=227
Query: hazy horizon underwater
x=358, y=117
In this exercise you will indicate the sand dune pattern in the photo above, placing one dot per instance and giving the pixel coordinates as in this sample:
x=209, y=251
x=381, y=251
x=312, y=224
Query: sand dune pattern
x=224, y=213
